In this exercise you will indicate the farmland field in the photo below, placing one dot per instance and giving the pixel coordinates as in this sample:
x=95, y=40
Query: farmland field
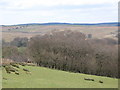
x=47, y=78
x=59, y=44
x=10, y=32
x=41, y=77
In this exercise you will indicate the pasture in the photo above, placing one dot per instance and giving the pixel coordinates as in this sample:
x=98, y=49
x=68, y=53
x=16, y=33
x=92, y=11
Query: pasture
x=41, y=77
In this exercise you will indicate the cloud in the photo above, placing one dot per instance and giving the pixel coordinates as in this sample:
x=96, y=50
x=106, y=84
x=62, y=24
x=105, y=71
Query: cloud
x=77, y=11
x=24, y=4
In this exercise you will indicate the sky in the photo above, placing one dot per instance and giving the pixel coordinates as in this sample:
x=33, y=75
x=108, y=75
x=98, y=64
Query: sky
x=65, y=11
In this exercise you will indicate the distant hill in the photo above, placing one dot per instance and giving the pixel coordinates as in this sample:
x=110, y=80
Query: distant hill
x=86, y=24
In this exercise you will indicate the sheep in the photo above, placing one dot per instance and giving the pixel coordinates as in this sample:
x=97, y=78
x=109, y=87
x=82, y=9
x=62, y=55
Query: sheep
x=22, y=64
x=26, y=70
x=7, y=70
x=17, y=73
x=4, y=78
x=100, y=81
x=13, y=69
x=88, y=79
x=10, y=69
x=14, y=65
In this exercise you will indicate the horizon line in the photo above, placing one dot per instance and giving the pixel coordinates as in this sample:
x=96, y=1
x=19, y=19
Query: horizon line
x=58, y=23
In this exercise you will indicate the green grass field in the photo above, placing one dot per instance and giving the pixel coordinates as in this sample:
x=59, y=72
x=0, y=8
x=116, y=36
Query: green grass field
x=47, y=78
x=0, y=78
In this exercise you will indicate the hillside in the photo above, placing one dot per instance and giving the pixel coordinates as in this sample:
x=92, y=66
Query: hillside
x=47, y=78
x=59, y=23
x=29, y=30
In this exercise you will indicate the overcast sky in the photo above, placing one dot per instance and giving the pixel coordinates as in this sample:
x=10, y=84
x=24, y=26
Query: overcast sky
x=69, y=11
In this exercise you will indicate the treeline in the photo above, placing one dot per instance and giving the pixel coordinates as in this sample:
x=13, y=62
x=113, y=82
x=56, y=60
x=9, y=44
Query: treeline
x=18, y=42
x=72, y=51
x=15, y=49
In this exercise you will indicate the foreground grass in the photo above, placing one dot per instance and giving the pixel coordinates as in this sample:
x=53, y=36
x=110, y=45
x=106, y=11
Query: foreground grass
x=47, y=78
x=0, y=78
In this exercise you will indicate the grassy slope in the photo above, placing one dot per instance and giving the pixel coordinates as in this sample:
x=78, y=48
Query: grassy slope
x=48, y=78
x=0, y=78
